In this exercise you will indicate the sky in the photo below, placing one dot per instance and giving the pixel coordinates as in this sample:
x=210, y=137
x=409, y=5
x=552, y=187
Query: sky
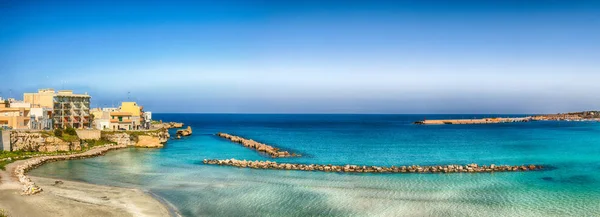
x=413, y=57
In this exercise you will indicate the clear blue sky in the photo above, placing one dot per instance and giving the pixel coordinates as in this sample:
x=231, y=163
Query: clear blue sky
x=308, y=56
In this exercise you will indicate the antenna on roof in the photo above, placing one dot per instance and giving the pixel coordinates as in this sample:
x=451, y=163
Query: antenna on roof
x=128, y=92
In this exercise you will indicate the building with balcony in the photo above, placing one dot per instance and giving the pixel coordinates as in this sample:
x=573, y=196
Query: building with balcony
x=121, y=121
x=136, y=113
x=69, y=109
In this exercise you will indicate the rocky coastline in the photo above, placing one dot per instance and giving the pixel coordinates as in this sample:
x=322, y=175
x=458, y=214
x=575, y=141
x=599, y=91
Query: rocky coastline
x=260, y=147
x=184, y=132
x=167, y=125
x=30, y=188
x=470, y=168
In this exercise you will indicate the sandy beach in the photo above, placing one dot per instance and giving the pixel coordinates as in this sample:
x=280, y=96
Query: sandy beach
x=71, y=198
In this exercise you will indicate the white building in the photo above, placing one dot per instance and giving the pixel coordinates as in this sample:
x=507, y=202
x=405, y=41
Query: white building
x=102, y=122
x=147, y=120
x=41, y=118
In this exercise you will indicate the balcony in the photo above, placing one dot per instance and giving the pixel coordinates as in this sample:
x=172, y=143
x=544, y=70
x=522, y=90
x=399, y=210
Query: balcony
x=119, y=121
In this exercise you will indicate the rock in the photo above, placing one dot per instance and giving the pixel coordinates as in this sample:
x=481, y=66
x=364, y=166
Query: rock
x=184, y=132
x=260, y=147
x=148, y=142
x=359, y=169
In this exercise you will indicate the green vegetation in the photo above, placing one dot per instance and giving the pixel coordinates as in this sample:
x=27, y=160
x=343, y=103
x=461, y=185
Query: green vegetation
x=58, y=132
x=3, y=213
x=92, y=143
x=69, y=138
x=20, y=155
x=71, y=131
x=13, y=155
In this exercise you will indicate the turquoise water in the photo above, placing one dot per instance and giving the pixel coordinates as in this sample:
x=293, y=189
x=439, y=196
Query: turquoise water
x=570, y=187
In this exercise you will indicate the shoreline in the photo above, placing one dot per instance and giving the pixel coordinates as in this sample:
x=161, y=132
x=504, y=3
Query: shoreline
x=62, y=197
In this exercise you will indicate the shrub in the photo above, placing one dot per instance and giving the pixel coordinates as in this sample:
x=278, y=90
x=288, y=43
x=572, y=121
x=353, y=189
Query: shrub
x=70, y=131
x=58, y=133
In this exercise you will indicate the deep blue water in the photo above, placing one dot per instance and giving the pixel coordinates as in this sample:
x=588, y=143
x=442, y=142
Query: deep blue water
x=176, y=172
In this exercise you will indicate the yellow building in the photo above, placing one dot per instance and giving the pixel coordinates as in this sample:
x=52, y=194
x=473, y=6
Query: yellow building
x=14, y=118
x=136, y=112
x=132, y=108
x=44, y=98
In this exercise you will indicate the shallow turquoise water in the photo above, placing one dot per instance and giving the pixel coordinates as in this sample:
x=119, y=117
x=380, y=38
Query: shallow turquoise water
x=176, y=173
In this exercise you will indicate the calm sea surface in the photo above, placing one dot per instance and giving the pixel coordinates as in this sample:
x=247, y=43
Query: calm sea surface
x=176, y=172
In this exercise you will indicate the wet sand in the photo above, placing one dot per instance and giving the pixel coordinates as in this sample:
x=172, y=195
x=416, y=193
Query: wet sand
x=71, y=198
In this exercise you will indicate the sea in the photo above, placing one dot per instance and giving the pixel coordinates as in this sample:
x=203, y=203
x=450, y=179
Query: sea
x=568, y=186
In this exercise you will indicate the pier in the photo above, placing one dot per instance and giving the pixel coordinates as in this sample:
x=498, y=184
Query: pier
x=260, y=147
x=469, y=168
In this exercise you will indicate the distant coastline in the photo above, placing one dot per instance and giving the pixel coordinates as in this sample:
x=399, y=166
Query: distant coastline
x=575, y=116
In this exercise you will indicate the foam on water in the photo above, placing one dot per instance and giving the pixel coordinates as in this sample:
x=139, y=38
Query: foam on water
x=175, y=173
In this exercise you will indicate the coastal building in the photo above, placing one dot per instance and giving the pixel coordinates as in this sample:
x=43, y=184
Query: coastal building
x=41, y=118
x=101, y=119
x=44, y=98
x=69, y=109
x=19, y=104
x=147, y=118
x=14, y=118
x=136, y=113
x=129, y=116
x=121, y=121
x=110, y=109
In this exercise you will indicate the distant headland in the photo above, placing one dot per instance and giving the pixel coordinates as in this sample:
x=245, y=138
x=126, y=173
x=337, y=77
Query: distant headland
x=573, y=116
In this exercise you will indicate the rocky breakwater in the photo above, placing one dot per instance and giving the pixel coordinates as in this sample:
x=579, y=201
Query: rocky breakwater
x=470, y=168
x=184, y=132
x=30, y=188
x=42, y=141
x=260, y=147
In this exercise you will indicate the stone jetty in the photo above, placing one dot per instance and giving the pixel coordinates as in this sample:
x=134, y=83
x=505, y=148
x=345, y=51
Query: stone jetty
x=260, y=147
x=30, y=188
x=469, y=168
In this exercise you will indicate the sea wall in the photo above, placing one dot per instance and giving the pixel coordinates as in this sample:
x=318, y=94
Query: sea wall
x=470, y=168
x=30, y=188
x=5, y=140
x=260, y=147
x=88, y=134
x=41, y=141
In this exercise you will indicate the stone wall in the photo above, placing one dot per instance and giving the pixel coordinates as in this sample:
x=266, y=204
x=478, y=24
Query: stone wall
x=155, y=138
x=42, y=142
x=5, y=141
x=88, y=134
x=121, y=138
